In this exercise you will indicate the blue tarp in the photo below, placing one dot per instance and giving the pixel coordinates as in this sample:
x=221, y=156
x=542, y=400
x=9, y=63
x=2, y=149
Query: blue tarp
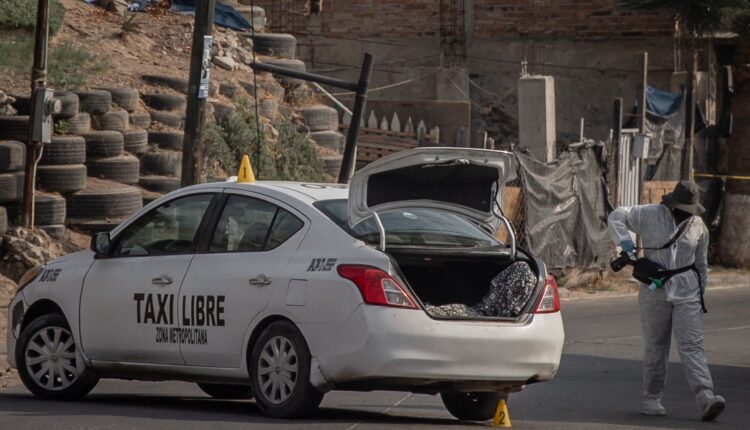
x=662, y=103
x=225, y=16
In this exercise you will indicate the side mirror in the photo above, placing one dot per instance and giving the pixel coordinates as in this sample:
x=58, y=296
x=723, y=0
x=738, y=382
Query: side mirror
x=100, y=243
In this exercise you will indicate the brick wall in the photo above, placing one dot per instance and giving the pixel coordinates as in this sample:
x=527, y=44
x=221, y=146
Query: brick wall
x=570, y=18
x=492, y=18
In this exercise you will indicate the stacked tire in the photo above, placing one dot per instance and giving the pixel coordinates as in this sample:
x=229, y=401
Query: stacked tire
x=323, y=123
x=12, y=162
x=161, y=163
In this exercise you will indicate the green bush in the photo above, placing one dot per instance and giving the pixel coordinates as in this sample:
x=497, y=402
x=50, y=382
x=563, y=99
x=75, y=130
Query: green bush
x=21, y=15
x=292, y=158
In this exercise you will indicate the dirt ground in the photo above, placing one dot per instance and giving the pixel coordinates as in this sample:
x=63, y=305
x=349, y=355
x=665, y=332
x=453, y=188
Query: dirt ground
x=157, y=43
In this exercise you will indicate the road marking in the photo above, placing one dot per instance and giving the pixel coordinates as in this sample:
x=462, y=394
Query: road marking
x=395, y=405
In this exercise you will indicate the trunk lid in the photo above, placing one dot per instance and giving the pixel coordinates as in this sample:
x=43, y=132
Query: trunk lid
x=465, y=181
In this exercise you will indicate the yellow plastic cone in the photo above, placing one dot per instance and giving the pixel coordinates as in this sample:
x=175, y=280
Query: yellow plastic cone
x=245, y=174
x=502, y=418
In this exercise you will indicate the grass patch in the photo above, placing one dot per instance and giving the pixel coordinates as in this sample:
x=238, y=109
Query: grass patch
x=21, y=15
x=67, y=65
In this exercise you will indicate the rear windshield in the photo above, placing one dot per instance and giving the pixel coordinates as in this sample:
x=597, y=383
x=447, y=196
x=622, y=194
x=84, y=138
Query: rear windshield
x=411, y=227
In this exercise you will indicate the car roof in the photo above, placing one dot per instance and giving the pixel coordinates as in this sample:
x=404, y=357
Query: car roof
x=309, y=191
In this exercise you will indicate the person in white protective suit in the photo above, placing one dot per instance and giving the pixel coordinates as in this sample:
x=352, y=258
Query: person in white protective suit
x=677, y=306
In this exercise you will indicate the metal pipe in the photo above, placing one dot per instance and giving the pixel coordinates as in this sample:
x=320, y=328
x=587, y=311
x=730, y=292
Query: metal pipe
x=332, y=98
x=350, y=149
x=325, y=80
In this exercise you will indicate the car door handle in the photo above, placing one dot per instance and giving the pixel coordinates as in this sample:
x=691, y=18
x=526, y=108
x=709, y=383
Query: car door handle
x=162, y=281
x=260, y=281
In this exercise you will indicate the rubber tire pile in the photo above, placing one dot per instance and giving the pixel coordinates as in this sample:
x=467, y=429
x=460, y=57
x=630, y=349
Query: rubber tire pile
x=84, y=175
x=161, y=163
x=323, y=123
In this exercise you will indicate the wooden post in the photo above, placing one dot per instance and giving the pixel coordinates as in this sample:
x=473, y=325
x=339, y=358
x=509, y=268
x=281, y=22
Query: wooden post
x=38, y=80
x=686, y=169
x=615, y=151
x=193, y=147
x=642, y=108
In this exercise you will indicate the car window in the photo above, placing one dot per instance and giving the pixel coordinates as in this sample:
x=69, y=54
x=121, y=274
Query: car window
x=168, y=229
x=283, y=228
x=250, y=225
x=412, y=227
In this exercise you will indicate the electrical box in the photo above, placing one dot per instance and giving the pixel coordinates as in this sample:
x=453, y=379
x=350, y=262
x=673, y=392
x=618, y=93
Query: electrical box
x=44, y=106
x=641, y=143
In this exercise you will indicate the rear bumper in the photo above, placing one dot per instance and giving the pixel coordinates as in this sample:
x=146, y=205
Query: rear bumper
x=379, y=343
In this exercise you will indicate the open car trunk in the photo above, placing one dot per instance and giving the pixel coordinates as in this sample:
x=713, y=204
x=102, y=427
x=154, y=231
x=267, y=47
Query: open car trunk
x=460, y=285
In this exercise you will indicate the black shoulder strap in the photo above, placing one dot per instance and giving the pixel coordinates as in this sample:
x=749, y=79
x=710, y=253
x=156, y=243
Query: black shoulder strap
x=675, y=238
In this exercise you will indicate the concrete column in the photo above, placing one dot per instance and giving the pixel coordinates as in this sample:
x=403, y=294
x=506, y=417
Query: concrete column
x=536, y=116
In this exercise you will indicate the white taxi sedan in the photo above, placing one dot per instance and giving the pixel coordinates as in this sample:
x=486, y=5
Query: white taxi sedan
x=284, y=291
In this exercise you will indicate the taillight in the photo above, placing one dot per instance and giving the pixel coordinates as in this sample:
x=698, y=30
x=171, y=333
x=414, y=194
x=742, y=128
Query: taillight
x=550, y=300
x=376, y=286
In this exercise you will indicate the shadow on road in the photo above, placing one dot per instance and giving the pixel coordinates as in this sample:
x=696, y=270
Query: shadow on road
x=606, y=391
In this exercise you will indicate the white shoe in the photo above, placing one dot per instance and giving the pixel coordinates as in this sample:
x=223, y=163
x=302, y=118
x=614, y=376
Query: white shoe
x=711, y=405
x=653, y=408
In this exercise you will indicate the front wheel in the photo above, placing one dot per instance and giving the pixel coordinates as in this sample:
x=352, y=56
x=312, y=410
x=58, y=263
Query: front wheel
x=49, y=362
x=471, y=406
x=226, y=391
x=280, y=373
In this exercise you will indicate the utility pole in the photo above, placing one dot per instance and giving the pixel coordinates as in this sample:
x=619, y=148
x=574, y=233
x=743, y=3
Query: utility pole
x=686, y=169
x=38, y=81
x=194, y=147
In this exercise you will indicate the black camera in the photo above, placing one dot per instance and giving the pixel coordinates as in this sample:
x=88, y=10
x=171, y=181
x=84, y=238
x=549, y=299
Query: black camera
x=620, y=262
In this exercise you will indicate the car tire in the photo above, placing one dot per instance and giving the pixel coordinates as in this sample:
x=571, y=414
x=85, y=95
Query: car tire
x=168, y=102
x=71, y=384
x=302, y=398
x=228, y=89
x=320, y=118
x=22, y=105
x=135, y=141
x=176, y=84
x=114, y=120
x=105, y=143
x=69, y=103
x=332, y=164
x=12, y=156
x=95, y=102
x=159, y=184
x=226, y=391
x=3, y=221
x=124, y=98
x=104, y=200
x=281, y=45
x=14, y=128
x=471, y=406
x=49, y=209
x=124, y=169
x=169, y=119
x=166, y=139
x=63, y=178
x=329, y=139
x=222, y=110
x=79, y=124
x=162, y=163
x=268, y=108
x=11, y=187
x=140, y=119
x=64, y=150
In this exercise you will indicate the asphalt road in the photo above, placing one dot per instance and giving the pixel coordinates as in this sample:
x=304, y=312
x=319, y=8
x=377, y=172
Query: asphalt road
x=598, y=387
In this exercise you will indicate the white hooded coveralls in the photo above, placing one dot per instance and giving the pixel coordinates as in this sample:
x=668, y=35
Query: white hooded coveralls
x=676, y=306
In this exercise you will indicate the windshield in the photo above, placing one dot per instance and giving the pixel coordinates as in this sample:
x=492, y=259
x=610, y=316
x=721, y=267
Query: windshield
x=411, y=227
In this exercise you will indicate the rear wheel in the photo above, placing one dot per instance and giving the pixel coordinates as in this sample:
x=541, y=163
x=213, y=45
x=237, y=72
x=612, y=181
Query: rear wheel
x=280, y=373
x=471, y=406
x=49, y=362
x=226, y=391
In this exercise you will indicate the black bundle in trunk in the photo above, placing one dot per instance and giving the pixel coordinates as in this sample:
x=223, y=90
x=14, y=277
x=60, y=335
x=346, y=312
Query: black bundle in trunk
x=468, y=285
